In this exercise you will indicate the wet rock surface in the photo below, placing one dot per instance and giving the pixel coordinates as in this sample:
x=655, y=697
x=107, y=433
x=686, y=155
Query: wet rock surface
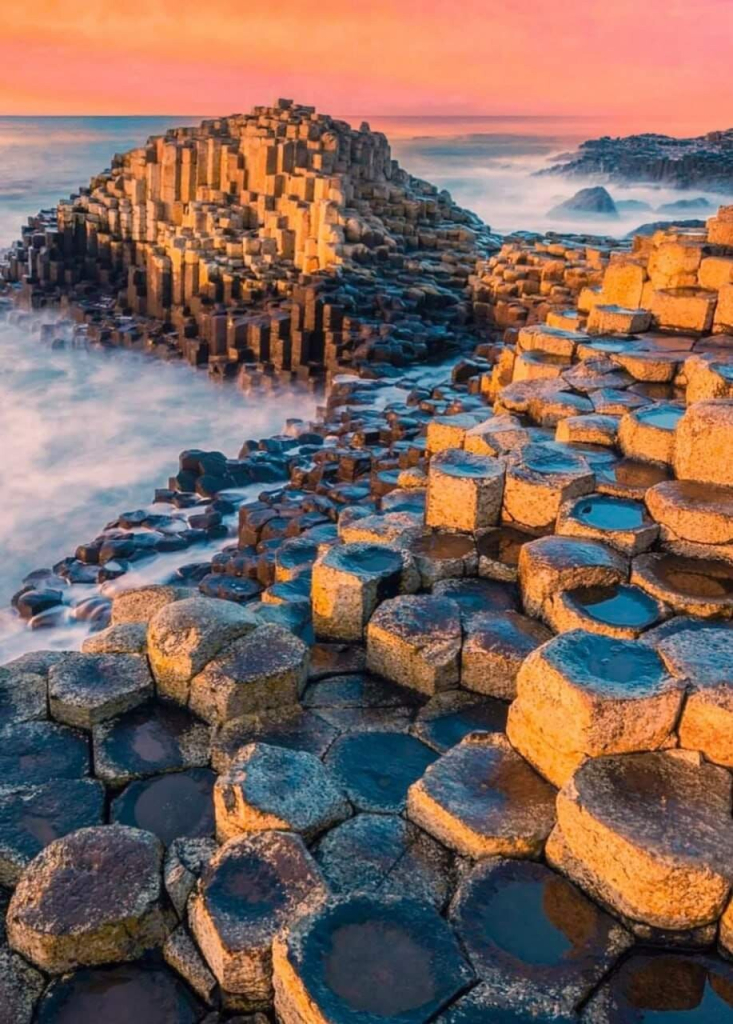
x=410, y=963
x=525, y=928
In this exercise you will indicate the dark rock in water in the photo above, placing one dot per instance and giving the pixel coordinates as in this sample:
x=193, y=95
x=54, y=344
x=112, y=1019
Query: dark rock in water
x=30, y=603
x=588, y=202
x=681, y=205
x=662, y=225
x=129, y=992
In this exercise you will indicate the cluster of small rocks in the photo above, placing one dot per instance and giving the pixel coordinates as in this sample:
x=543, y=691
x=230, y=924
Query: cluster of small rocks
x=445, y=735
x=212, y=243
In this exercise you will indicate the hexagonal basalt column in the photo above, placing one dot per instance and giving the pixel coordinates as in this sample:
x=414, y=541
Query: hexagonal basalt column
x=154, y=738
x=23, y=695
x=92, y=897
x=651, y=835
x=376, y=769
x=140, y=604
x=440, y=555
x=648, y=434
x=527, y=929
x=348, y=584
x=33, y=816
x=464, y=491
x=494, y=648
x=416, y=641
x=618, y=522
x=704, y=443
x=383, y=853
x=551, y=564
x=583, y=695
x=253, y=886
x=540, y=481
x=363, y=958
x=291, y=727
x=482, y=799
x=704, y=659
x=185, y=635
x=32, y=753
x=20, y=987
x=275, y=788
x=267, y=668
x=452, y=715
x=693, y=517
x=174, y=805
x=85, y=689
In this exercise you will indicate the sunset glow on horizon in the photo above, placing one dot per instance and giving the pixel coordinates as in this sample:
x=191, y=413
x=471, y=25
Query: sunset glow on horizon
x=660, y=59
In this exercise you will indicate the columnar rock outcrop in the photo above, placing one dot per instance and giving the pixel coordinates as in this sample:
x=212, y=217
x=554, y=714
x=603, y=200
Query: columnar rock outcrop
x=457, y=625
x=282, y=238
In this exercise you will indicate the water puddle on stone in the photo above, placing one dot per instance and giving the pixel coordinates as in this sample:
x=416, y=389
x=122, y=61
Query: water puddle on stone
x=119, y=995
x=179, y=804
x=696, y=578
x=447, y=730
x=619, y=605
x=532, y=915
x=632, y=473
x=606, y=513
x=547, y=460
x=371, y=558
x=673, y=990
x=664, y=417
x=443, y=546
x=377, y=768
x=503, y=545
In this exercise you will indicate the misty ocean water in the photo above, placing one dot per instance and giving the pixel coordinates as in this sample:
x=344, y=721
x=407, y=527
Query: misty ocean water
x=88, y=434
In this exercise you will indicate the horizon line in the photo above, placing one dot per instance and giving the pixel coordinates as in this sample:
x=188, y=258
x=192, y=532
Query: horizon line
x=358, y=113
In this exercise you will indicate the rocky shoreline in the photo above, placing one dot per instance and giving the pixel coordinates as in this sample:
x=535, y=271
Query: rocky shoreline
x=705, y=162
x=444, y=734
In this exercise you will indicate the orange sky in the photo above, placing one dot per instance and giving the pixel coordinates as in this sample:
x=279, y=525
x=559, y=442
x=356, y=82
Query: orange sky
x=657, y=57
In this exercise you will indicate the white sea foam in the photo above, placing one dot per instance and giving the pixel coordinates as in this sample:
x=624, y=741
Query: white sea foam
x=89, y=434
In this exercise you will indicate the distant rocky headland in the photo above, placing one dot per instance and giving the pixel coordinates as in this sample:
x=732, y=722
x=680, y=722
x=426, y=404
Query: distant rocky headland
x=704, y=162
x=443, y=732
x=283, y=238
